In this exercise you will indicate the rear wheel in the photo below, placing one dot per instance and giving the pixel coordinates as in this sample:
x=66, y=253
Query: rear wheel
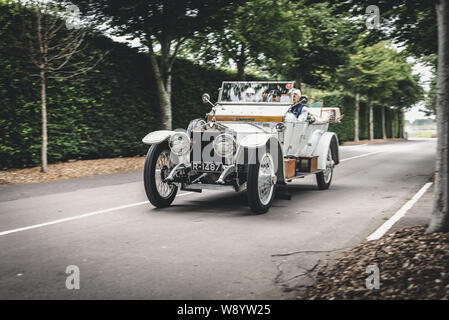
x=324, y=178
x=157, y=167
x=261, y=182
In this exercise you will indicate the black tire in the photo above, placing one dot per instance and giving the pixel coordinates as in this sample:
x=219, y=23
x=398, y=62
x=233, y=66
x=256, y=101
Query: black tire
x=252, y=190
x=149, y=177
x=321, y=180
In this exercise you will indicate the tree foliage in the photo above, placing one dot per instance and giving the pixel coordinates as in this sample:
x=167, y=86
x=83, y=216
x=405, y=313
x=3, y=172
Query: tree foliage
x=161, y=26
x=384, y=77
x=257, y=29
x=320, y=41
x=407, y=22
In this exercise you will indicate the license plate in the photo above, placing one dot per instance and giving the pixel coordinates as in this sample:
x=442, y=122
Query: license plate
x=207, y=166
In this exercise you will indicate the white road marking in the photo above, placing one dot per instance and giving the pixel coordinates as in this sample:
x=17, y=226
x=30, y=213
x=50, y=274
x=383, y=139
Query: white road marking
x=354, y=145
x=81, y=216
x=399, y=214
x=362, y=155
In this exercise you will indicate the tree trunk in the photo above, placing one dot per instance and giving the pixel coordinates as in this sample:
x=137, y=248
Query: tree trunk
x=384, y=132
x=164, y=103
x=42, y=67
x=371, y=121
x=163, y=87
x=356, y=117
x=241, y=76
x=298, y=79
x=400, y=124
x=44, y=122
x=165, y=106
x=392, y=122
x=440, y=215
x=241, y=62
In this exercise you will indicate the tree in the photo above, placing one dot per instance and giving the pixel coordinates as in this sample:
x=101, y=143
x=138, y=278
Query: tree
x=401, y=90
x=440, y=215
x=347, y=79
x=364, y=75
x=384, y=77
x=408, y=22
x=405, y=94
x=51, y=48
x=162, y=26
x=356, y=116
x=257, y=29
x=320, y=42
x=300, y=40
x=413, y=23
x=430, y=106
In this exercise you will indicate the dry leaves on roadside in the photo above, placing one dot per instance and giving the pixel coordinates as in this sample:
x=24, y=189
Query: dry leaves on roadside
x=412, y=266
x=71, y=169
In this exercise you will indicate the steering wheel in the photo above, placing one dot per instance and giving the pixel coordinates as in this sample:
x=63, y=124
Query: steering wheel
x=303, y=99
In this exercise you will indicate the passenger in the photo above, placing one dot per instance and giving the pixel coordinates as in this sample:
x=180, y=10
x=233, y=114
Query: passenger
x=274, y=96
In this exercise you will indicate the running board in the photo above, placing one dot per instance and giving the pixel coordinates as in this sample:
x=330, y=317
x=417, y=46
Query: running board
x=302, y=175
x=199, y=186
x=183, y=188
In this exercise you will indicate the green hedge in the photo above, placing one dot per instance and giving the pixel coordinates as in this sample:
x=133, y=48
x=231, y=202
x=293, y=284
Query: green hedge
x=104, y=113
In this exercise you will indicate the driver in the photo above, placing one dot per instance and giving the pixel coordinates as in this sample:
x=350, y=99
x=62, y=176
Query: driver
x=298, y=102
x=250, y=95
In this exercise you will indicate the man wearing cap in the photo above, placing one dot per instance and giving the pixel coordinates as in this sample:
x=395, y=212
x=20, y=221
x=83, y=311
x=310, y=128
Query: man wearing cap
x=297, y=105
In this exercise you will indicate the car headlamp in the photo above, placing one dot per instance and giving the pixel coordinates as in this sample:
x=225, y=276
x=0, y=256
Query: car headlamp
x=195, y=125
x=224, y=145
x=179, y=143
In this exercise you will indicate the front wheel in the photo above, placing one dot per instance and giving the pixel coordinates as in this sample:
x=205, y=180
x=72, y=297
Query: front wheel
x=261, y=184
x=324, y=178
x=157, y=167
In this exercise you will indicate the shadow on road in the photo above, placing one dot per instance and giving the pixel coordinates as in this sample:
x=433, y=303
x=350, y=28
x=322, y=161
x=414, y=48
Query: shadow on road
x=231, y=203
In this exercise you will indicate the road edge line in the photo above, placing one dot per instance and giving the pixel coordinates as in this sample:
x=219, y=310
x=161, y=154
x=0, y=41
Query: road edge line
x=361, y=156
x=399, y=214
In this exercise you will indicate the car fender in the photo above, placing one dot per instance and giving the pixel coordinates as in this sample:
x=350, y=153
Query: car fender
x=255, y=141
x=157, y=136
x=328, y=139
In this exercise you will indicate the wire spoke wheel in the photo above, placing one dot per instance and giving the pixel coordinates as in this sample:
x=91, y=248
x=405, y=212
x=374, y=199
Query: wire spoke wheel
x=157, y=167
x=261, y=182
x=329, y=167
x=161, y=172
x=265, y=180
x=324, y=177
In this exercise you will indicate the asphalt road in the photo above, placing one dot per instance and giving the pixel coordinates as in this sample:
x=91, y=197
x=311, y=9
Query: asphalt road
x=206, y=246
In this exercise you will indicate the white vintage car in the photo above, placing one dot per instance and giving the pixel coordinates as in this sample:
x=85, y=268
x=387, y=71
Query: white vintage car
x=257, y=138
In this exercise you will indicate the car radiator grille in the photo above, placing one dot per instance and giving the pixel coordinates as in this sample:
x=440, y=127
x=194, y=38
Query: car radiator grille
x=202, y=147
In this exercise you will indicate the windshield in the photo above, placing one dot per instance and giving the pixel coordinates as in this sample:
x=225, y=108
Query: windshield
x=256, y=92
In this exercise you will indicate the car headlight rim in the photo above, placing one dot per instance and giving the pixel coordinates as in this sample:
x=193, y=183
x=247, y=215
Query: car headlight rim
x=180, y=143
x=225, y=145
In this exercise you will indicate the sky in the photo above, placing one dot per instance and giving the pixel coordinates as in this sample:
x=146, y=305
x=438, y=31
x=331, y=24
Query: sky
x=425, y=75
